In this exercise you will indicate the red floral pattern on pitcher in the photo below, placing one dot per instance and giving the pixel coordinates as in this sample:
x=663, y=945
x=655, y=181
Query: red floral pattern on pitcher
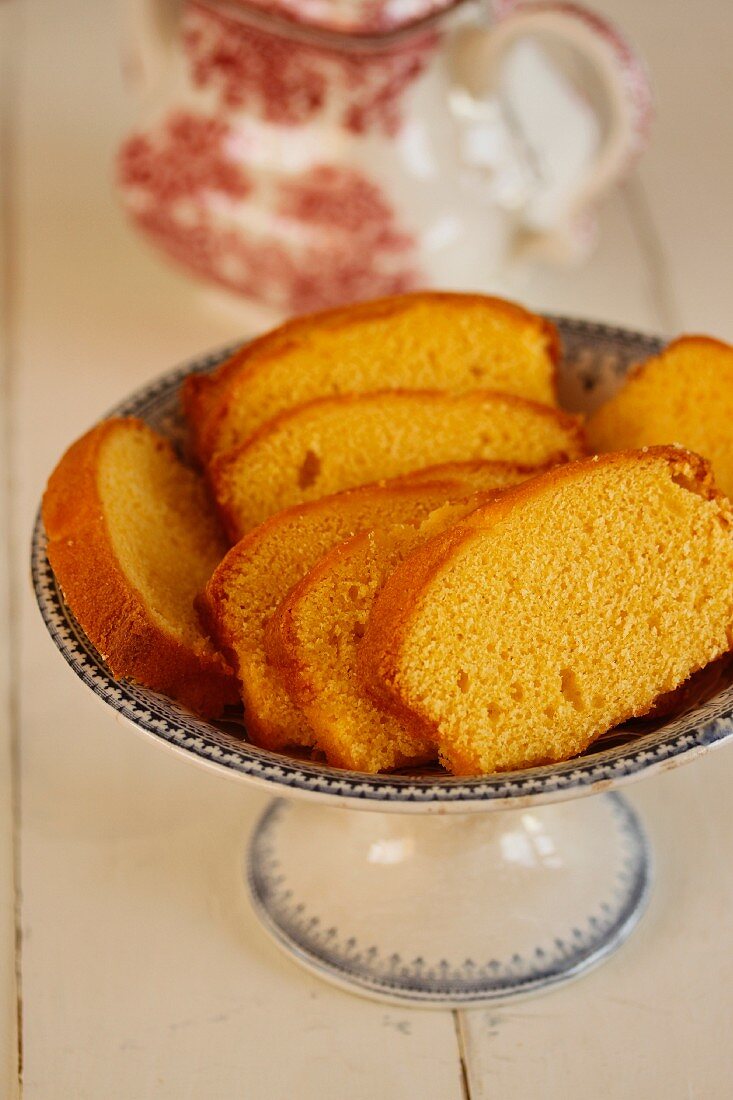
x=337, y=238
x=187, y=160
x=290, y=83
x=336, y=198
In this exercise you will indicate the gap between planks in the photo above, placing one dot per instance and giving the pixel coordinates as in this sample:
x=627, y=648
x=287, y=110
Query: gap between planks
x=667, y=318
x=662, y=299
x=462, y=1060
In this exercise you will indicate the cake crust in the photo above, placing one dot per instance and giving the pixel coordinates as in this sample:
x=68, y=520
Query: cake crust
x=398, y=606
x=110, y=610
x=257, y=573
x=272, y=721
x=235, y=475
x=313, y=637
x=210, y=402
x=283, y=644
x=684, y=395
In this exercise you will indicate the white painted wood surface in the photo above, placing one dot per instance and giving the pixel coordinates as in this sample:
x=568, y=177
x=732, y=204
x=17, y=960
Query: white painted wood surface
x=8, y=992
x=687, y=174
x=655, y=1021
x=144, y=972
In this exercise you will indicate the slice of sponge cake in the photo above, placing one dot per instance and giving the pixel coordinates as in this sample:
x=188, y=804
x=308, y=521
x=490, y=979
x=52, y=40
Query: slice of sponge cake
x=258, y=572
x=313, y=638
x=424, y=340
x=563, y=608
x=684, y=395
x=132, y=538
x=341, y=442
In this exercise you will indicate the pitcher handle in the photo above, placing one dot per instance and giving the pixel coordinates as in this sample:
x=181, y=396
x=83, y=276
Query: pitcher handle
x=476, y=60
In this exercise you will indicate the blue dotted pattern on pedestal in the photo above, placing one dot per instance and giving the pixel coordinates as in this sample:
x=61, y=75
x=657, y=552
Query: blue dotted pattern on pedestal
x=438, y=981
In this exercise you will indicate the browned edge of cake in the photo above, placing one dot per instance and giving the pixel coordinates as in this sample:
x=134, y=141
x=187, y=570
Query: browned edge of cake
x=205, y=397
x=411, y=486
x=390, y=616
x=110, y=611
x=221, y=463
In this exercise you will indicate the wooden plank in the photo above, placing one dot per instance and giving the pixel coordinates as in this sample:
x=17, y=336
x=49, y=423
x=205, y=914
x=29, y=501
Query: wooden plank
x=145, y=973
x=687, y=173
x=9, y=1052
x=655, y=1020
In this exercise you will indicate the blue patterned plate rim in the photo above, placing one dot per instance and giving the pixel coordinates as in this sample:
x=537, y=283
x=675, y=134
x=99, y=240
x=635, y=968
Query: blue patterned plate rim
x=705, y=727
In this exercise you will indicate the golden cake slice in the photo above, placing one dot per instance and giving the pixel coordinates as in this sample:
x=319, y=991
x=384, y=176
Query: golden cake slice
x=201, y=392
x=132, y=538
x=424, y=340
x=684, y=395
x=341, y=442
x=313, y=638
x=563, y=608
x=258, y=572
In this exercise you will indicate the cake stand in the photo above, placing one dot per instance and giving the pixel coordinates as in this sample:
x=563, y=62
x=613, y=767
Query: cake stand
x=448, y=892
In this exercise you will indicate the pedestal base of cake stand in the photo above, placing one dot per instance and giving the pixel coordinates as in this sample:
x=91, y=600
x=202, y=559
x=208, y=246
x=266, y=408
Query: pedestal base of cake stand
x=450, y=911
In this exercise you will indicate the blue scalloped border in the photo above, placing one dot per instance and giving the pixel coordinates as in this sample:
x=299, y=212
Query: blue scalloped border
x=324, y=948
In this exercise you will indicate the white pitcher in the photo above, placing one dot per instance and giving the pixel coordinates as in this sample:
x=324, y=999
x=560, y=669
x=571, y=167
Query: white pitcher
x=309, y=152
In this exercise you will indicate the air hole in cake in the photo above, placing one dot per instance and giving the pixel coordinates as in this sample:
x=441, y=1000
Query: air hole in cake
x=462, y=681
x=550, y=712
x=309, y=470
x=655, y=622
x=358, y=630
x=724, y=520
x=517, y=693
x=494, y=711
x=691, y=484
x=570, y=688
x=476, y=370
x=354, y=593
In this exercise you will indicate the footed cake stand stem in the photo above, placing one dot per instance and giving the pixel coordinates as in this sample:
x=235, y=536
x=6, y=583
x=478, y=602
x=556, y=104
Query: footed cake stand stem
x=453, y=910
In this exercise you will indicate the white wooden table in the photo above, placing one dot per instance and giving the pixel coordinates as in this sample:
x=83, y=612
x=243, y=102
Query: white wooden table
x=141, y=970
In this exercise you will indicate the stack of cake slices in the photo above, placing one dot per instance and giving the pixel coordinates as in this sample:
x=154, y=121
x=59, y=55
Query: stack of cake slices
x=395, y=547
